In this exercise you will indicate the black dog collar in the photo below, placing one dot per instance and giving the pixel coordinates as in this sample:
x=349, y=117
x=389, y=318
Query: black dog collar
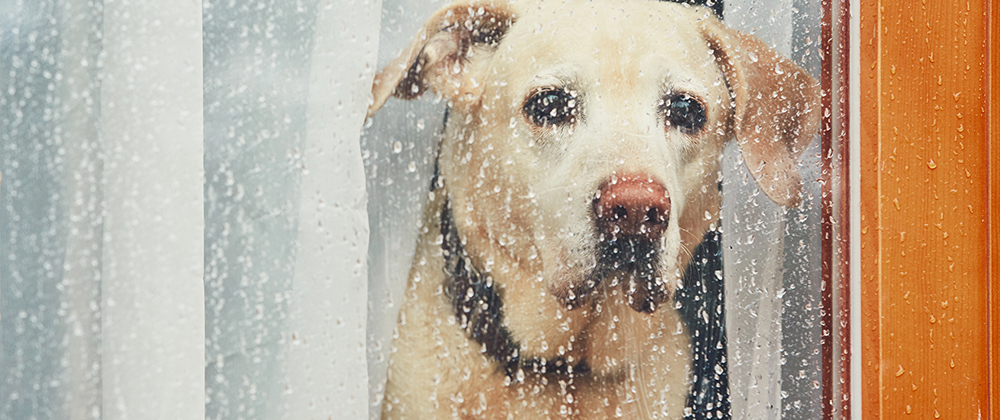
x=479, y=308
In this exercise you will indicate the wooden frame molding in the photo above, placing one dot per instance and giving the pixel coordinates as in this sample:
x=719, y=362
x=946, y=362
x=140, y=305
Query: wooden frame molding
x=835, y=211
x=925, y=195
x=993, y=108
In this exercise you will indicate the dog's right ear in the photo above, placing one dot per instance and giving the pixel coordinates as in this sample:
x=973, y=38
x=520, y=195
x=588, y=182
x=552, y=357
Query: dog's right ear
x=776, y=110
x=439, y=57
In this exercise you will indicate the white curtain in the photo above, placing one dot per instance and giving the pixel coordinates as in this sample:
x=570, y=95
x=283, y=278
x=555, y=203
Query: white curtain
x=183, y=229
x=150, y=131
x=399, y=148
x=772, y=255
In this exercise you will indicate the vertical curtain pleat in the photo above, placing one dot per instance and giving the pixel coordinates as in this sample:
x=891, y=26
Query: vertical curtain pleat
x=50, y=210
x=752, y=254
x=256, y=73
x=326, y=362
x=80, y=91
x=33, y=230
x=400, y=146
x=771, y=254
x=752, y=258
x=151, y=120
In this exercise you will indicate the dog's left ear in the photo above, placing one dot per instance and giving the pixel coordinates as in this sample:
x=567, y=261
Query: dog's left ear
x=440, y=57
x=776, y=109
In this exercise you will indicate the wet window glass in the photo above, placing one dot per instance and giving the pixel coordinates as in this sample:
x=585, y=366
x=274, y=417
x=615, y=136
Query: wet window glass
x=182, y=209
x=421, y=209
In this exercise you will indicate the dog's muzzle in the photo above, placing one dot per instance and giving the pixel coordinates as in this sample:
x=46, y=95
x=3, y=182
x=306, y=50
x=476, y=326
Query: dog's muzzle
x=630, y=216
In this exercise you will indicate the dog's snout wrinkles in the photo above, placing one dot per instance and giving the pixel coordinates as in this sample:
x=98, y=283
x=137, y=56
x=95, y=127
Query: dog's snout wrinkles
x=633, y=206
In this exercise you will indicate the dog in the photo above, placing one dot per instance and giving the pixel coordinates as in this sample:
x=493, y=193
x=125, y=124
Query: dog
x=578, y=170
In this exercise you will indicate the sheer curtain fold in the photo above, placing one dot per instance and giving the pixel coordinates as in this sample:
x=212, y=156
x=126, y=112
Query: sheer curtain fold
x=326, y=364
x=101, y=149
x=152, y=289
x=772, y=270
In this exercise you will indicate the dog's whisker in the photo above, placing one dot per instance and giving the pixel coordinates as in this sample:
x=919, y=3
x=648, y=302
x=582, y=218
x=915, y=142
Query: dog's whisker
x=685, y=251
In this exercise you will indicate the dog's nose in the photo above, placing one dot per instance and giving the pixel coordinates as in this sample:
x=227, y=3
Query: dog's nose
x=633, y=205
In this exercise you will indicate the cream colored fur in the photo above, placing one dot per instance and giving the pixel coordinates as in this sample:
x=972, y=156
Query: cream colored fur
x=522, y=195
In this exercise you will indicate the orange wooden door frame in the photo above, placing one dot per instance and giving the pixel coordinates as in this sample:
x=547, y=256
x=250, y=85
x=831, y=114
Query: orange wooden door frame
x=926, y=225
x=993, y=107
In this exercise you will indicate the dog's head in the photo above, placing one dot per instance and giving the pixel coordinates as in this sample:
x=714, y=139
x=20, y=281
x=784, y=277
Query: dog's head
x=582, y=157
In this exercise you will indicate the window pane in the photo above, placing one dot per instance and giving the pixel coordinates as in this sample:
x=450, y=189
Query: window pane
x=751, y=299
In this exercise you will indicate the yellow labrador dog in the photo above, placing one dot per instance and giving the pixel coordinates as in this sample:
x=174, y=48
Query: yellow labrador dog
x=578, y=172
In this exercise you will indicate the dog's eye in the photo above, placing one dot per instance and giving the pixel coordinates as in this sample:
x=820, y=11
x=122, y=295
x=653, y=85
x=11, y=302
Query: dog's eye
x=550, y=107
x=685, y=112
